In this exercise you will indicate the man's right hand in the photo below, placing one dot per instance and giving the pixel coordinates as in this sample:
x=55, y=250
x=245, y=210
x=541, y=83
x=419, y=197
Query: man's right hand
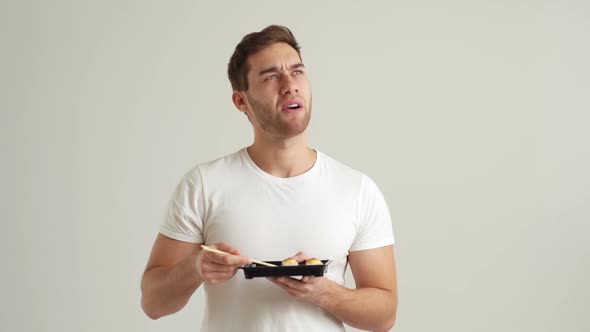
x=214, y=268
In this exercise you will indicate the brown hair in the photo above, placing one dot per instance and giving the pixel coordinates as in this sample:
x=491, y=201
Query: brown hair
x=238, y=68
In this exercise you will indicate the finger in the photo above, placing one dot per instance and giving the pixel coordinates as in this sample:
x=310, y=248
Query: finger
x=217, y=281
x=299, y=257
x=311, y=279
x=226, y=259
x=279, y=283
x=226, y=247
x=290, y=282
x=291, y=291
x=215, y=267
x=210, y=276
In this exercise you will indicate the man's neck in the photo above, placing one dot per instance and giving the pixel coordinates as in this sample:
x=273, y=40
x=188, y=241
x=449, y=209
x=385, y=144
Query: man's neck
x=283, y=158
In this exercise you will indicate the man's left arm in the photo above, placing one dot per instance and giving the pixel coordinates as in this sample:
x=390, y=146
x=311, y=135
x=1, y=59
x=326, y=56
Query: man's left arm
x=371, y=306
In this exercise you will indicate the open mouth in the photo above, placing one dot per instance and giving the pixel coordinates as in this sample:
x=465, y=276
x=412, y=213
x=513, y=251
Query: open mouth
x=292, y=105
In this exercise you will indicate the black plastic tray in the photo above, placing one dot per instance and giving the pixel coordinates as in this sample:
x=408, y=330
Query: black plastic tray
x=256, y=271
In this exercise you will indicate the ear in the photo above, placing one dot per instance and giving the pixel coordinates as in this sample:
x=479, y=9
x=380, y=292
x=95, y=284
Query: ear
x=239, y=100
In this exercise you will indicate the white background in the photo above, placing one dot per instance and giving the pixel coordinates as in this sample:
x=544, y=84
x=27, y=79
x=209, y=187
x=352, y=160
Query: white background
x=471, y=116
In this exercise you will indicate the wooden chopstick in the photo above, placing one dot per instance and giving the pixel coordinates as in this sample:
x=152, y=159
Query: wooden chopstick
x=226, y=253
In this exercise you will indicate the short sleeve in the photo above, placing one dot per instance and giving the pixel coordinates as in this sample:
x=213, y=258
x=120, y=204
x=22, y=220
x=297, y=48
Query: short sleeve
x=183, y=220
x=374, y=228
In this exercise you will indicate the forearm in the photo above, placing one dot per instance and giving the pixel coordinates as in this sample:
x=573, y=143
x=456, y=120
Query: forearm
x=166, y=290
x=371, y=309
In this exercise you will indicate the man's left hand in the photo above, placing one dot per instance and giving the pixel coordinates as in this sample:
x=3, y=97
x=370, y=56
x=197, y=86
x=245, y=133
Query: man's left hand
x=309, y=288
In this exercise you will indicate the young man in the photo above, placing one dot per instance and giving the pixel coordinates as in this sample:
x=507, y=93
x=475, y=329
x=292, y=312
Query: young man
x=270, y=200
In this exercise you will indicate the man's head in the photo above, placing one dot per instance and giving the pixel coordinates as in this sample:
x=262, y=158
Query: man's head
x=252, y=43
x=270, y=83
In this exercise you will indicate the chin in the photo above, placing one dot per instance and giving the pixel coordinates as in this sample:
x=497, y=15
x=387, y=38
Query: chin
x=295, y=129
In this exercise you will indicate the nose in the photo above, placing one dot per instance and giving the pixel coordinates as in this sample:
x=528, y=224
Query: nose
x=288, y=84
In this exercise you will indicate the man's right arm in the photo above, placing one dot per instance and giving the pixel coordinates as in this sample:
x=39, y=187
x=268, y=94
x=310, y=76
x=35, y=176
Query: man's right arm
x=176, y=269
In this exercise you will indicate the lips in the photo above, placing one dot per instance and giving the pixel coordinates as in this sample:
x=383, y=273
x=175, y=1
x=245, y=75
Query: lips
x=292, y=105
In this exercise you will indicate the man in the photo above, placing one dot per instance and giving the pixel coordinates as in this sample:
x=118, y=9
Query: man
x=269, y=201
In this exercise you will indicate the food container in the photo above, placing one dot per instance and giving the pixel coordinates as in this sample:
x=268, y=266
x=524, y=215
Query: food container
x=254, y=270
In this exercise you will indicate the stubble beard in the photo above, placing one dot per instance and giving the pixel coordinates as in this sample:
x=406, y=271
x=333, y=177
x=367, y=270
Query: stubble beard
x=275, y=124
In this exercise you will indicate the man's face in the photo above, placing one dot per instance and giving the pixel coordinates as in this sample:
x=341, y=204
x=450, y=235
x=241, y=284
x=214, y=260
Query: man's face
x=278, y=100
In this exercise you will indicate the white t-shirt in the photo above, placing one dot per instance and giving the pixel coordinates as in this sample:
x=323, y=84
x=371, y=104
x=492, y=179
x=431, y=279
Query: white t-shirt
x=326, y=212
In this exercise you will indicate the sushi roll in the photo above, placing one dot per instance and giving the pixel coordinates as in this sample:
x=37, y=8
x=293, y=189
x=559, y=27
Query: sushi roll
x=289, y=262
x=313, y=261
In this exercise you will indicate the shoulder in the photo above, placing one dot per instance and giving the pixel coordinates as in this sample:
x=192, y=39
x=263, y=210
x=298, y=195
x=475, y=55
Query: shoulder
x=220, y=164
x=215, y=168
x=343, y=172
x=344, y=178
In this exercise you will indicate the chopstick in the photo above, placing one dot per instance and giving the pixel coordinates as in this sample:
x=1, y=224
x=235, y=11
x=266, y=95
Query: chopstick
x=225, y=253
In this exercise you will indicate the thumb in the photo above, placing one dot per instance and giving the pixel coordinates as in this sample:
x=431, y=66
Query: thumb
x=226, y=247
x=299, y=257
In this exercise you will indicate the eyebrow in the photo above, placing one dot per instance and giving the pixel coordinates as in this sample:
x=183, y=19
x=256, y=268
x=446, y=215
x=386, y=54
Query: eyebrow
x=275, y=69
